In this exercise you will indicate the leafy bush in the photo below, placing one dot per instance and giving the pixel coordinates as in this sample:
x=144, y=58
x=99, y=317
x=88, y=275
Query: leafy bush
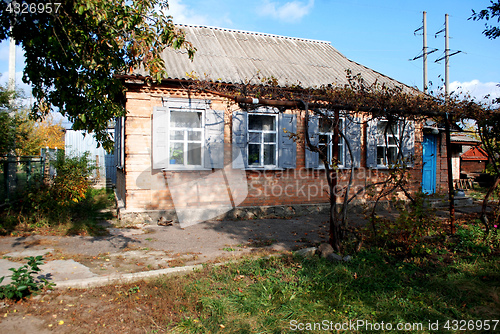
x=61, y=199
x=68, y=186
x=71, y=182
x=411, y=232
x=473, y=239
x=23, y=282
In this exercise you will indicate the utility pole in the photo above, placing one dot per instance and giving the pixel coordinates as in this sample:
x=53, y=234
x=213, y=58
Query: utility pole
x=451, y=191
x=10, y=167
x=447, y=57
x=12, y=64
x=425, y=51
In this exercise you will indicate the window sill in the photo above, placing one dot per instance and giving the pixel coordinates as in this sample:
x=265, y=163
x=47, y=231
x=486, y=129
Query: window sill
x=264, y=168
x=390, y=168
x=185, y=169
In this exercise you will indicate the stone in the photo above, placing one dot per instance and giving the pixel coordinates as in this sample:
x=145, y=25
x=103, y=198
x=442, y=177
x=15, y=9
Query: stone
x=347, y=258
x=324, y=250
x=306, y=252
x=332, y=257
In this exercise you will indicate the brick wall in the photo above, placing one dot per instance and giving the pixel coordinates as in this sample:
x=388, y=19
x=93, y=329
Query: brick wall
x=473, y=166
x=442, y=165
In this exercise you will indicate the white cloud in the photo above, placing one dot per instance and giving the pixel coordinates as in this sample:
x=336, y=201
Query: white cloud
x=291, y=11
x=181, y=13
x=476, y=89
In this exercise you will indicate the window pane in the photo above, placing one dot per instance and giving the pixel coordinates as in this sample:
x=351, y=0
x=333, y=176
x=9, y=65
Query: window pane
x=325, y=124
x=253, y=154
x=269, y=154
x=324, y=139
x=177, y=135
x=269, y=137
x=194, y=154
x=185, y=119
x=381, y=125
x=392, y=156
x=194, y=135
x=341, y=154
x=394, y=129
x=381, y=155
x=254, y=137
x=261, y=122
x=177, y=154
x=391, y=140
x=322, y=148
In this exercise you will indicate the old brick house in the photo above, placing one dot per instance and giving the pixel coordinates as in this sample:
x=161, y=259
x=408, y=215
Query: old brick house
x=201, y=155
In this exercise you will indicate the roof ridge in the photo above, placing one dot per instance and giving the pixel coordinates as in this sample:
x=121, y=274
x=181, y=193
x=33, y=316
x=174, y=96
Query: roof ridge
x=254, y=33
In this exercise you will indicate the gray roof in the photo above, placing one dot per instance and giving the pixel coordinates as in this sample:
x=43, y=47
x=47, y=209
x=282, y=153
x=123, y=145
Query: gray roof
x=236, y=56
x=457, y=138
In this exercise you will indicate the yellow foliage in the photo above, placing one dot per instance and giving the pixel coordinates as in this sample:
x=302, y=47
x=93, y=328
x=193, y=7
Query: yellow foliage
x=34, y=135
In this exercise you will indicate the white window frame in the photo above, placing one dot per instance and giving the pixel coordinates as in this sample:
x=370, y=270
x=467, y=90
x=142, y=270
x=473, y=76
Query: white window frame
x=385, y=144
x=341, y=144
x=185, y=140
x=262, y=143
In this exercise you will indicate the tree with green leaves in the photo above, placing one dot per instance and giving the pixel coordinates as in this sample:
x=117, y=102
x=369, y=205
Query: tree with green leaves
x=490, y=13
x=8, y=120
x=75, y=49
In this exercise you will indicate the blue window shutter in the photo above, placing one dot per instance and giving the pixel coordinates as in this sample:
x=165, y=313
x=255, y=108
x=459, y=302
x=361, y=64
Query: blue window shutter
x=312, y=158
x=287, y=154
x=371, y=145
x=353, y=135
x=239, y=150
x=160, y=137
x=409, y=143
x=214, y=139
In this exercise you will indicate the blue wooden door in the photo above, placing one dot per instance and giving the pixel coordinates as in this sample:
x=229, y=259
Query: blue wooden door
x=429, y=164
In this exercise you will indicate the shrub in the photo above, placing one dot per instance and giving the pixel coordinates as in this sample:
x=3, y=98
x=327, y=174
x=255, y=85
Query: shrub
x=71, y=181
x=472, y=239
x=52, y=201
x=411, y=232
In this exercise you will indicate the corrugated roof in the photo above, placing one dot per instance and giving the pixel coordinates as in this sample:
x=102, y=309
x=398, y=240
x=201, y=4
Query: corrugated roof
x=232, y=56
x=462, y=139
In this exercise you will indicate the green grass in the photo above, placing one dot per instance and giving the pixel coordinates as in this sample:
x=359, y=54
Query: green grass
x=277, y=294
x=478, y=194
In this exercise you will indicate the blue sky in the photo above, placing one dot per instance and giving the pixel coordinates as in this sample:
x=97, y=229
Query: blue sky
x=377, y=34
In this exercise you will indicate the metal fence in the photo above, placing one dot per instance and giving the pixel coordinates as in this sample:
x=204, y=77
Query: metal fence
x=18, y=173
x=79, y=142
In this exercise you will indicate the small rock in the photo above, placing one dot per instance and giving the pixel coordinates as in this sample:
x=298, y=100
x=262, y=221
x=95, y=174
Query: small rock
x=306, y=252
x=324, y=250
x=347, y=258
x=332, y=257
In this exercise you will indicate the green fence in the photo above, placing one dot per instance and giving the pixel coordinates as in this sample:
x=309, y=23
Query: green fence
x=18, y=173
